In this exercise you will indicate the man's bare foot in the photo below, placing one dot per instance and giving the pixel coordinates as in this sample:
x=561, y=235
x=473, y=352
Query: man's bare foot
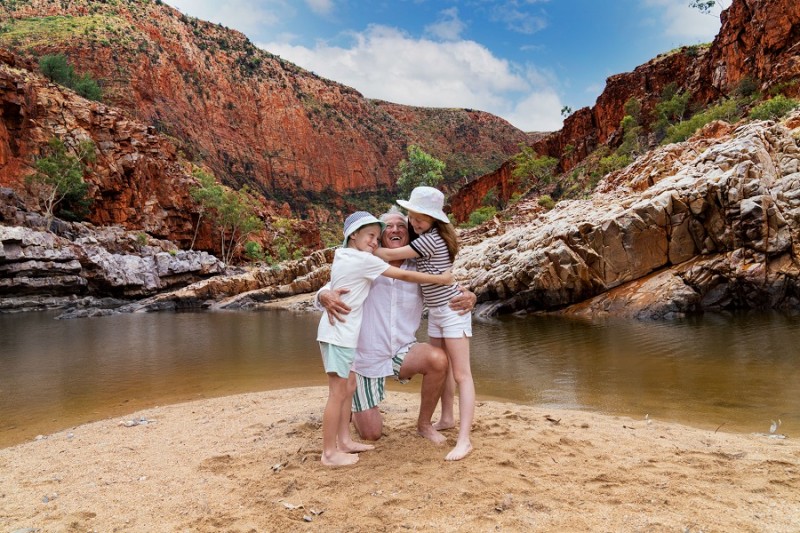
x=354, y=447
x=339, y=459
x=431, y=434
x=443, y=425
x=459, y=452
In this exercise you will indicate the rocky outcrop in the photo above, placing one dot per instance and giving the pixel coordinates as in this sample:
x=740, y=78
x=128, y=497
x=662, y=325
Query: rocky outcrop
x=247, y=290
x=84, y=263
x=753, y=42
x=710, y=224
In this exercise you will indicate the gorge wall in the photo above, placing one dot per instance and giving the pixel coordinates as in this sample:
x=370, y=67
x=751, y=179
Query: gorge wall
x=758, y=39
x=301, y=141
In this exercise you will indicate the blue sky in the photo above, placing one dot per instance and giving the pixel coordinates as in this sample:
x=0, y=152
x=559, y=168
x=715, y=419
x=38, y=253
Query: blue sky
x=522, y=60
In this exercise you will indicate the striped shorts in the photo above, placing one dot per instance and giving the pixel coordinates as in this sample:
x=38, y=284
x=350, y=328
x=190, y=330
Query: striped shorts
x=370, y=392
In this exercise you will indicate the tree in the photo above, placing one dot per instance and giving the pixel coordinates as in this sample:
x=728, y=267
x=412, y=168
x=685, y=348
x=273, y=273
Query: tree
x=566, y=111
x=671, y=107
x=58, y=180
x=631, y=127
x=529, y=165
x=419, y=169
x=57, y=69
x=705, y=6
x=233, y=213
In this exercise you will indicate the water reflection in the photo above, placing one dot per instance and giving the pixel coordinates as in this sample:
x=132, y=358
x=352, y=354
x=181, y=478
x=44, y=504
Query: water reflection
x=737, y=371
x=708, y=371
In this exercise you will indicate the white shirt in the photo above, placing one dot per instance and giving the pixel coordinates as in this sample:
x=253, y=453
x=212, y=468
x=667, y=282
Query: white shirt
x=391, y=318
x=356, y=271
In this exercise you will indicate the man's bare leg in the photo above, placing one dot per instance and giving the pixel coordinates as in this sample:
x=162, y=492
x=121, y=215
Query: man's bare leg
x=447, y=419
x=369, y=423
x=431, y=362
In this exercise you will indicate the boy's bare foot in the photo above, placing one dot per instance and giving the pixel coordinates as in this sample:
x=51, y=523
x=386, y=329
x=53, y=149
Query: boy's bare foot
x=355, y=447
x=339, y=459
x=459, y=452
x=443, y=424
x=431, y=434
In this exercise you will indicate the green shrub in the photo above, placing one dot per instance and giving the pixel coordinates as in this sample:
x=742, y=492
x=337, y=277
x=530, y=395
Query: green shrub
x=613, y=162
x=57, y=69
x=253, y=251
x=728, y=110
x=88, y=88
x=546, y=201
x=746, y=87
x=481, y=215
x=774, y=108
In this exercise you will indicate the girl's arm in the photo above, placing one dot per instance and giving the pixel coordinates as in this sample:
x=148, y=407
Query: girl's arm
x=396, y=254
x=418, y=277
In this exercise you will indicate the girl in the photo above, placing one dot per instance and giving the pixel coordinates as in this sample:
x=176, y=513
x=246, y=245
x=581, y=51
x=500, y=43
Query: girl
x=354, y=267
x=435, y=249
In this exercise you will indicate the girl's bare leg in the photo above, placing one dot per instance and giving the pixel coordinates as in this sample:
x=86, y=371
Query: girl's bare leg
x=458, y=352
x=344, y=439
x=447, y=419
x=337, y=393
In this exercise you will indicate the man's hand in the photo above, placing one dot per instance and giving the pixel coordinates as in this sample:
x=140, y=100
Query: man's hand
x=333, y=304
x=464, y=302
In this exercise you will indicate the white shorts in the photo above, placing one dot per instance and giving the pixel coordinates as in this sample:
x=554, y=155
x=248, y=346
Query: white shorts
x=444, y=323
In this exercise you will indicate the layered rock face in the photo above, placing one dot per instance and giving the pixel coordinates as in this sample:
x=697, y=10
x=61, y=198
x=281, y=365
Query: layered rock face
x=709, y=224
x=758, y=40
x=79, y=264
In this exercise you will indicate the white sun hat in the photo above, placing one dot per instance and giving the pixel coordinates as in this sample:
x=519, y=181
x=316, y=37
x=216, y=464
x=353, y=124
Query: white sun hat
x=428, y=201
x=357, y=220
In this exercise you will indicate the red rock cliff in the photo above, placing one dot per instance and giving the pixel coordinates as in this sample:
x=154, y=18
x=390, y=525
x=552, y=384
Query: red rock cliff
x=758, y=39
x=249, y=115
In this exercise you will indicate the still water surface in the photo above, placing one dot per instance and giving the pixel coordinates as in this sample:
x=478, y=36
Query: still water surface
x=739, y=372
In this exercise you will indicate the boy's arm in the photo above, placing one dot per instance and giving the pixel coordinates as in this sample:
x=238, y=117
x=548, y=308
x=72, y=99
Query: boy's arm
x=396, y=254
x=446, y=278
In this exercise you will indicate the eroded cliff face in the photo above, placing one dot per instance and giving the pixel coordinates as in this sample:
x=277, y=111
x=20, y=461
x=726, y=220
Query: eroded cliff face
x=709, y=224
x=758, y=39
x=137, y=181
x=250, y=116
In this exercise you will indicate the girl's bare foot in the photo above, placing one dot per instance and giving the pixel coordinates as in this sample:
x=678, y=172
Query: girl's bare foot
x=431, y=434
x=339, y=459
x=443, y=424
x=355, y=447
x=459, y=452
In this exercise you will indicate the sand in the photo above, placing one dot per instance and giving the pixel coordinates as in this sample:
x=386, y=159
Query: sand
x=251, y=463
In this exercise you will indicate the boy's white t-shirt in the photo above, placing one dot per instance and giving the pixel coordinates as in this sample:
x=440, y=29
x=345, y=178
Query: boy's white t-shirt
x=354, y=270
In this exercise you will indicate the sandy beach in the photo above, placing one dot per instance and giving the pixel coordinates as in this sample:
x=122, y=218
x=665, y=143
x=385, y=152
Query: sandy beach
x=250, y=463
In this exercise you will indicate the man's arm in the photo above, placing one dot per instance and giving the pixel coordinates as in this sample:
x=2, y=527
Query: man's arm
x=464, y=302
x=331, y=301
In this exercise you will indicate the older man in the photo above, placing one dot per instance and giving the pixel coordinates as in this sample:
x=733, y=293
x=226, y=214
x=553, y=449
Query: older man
x=388, y=345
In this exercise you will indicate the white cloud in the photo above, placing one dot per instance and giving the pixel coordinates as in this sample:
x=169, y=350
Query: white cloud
x=449, y=28
x=686, y=23
x=246, y=16
x=387, y=64
x=539, y=111
x=320, y=7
